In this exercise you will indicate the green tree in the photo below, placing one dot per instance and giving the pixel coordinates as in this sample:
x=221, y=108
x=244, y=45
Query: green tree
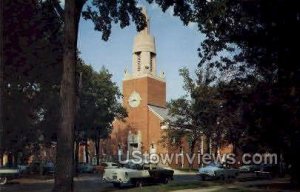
x=99, y=105
x=194, y=114
x=234, y=95
x=260, y=36
x=31, y=72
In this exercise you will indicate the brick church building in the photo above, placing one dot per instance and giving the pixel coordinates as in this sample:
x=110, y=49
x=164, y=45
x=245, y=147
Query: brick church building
x=144, y=97
x=144, y=92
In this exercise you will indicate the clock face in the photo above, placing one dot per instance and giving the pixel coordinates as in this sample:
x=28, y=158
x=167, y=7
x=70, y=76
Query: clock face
x=134, y=99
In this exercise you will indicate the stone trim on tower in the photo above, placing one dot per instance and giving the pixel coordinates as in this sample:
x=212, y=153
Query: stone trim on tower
x=144, y=55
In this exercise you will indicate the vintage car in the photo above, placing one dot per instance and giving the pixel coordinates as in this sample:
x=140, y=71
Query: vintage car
x=105, y=165
x=8, y=174
x=270, y=171
x=85, y=168
x=217, y=171
x=137, y=174
x=251, y=168
x=44, y=168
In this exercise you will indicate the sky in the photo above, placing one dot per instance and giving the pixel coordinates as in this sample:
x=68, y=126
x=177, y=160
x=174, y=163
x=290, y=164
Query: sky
x=176, y=47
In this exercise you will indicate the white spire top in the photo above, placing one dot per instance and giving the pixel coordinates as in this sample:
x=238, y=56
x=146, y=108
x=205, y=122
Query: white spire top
x=147, y=27
x=144, y=53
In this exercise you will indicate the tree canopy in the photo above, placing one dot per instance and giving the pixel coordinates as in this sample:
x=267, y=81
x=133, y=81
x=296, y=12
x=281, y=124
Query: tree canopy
x=99, y=105
x=257, y=42
x=32, y=72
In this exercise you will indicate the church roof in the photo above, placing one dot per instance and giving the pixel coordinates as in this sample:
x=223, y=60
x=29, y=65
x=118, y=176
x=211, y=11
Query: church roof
x=161, y=113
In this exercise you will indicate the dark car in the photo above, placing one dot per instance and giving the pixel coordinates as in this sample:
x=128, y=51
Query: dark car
x=249, y=168
x=42, y=168
x=268, y=170
x=23, y=168
x=86, y=168
x=49, y=168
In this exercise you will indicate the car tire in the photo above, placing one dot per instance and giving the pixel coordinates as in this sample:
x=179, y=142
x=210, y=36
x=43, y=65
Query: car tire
x=203, y=178
x=139, y=183
x=236, y=175
x=222, y=177
x=3, y=180
x=118, y=185
x=166, y=180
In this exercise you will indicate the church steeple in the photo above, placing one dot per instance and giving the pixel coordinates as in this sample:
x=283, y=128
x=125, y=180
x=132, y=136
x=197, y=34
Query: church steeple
x=144, y=53
x=147, y=27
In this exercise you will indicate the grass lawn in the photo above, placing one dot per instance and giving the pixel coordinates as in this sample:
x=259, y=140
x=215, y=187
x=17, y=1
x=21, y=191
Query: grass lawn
x=169, y=187
x=166, y=188
x=237, y=190
x=200, y=186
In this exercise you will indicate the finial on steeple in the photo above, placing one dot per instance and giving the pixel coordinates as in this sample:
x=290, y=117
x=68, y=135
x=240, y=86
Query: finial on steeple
x=147, y=28
x=144, y=11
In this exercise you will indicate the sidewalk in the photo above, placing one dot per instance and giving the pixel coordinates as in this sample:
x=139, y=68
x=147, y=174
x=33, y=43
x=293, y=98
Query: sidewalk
x=208, y=189
x=258, y=185
x=178, y=172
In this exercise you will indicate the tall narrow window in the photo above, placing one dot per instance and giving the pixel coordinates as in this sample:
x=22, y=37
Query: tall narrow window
x=138, y=61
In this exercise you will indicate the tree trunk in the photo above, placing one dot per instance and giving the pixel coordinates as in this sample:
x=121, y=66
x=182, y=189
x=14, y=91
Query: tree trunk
x=1, y=83
x=192, y=153
x=208, y=148
x=65, y=136
x=97, y=147
x=86, y=148
x=295, y=159
x=76, y=156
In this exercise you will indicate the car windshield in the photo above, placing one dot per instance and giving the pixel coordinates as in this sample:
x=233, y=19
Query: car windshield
x=215, y=165
x=131, y=165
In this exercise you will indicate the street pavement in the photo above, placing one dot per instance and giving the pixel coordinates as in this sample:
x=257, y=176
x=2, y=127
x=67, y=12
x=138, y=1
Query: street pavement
x=86, y=183
x=93, y=183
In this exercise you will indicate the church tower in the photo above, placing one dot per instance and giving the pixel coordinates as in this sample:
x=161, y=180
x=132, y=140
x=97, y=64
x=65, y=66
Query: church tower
x=144, y=87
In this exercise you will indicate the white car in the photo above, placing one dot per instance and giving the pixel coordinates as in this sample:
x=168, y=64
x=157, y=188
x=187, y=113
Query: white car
x=106, y=165
x=137, y=174
x=7, y=174
x=217, y=171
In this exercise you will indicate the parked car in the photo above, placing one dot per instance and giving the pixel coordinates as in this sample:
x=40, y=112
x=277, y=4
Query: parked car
x=137, y=174
x=7, y=173
x=85, y=168
x=24, y=169
x=249, y=168
x=268, y=171
x=106, y=165
x=42, y=168
x=217, y=171
x=49, y=168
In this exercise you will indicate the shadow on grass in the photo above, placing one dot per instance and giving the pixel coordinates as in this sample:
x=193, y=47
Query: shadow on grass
x=27, y=187
x=171, y=186
x=277, y=186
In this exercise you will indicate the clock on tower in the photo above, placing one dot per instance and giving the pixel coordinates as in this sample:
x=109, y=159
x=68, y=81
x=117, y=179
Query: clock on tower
x=134, y=99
